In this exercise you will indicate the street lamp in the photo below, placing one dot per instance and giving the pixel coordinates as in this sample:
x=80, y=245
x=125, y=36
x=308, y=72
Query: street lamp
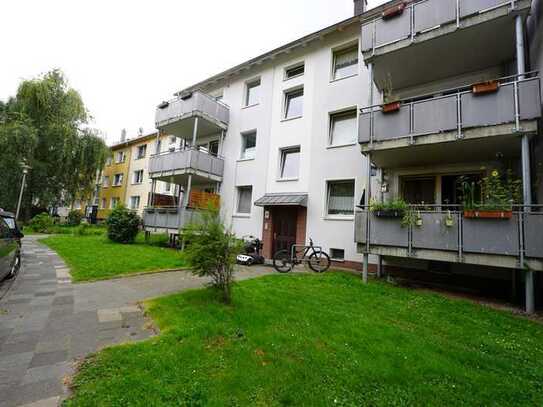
x=25, y=168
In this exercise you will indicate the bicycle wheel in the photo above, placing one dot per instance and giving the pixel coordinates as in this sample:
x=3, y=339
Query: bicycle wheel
x=282, y=261
x=319, y=262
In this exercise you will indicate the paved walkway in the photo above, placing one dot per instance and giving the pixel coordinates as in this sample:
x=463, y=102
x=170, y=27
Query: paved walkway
x=47, y=323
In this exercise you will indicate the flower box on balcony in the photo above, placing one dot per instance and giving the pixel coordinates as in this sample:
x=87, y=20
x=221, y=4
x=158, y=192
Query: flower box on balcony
x=478, y=214
x=394, y=11
x=391, y=107
x=483, y=88
x=389, y=213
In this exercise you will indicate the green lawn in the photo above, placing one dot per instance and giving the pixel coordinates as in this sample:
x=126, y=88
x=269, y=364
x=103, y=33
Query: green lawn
x=96, y=258
x=307, y=339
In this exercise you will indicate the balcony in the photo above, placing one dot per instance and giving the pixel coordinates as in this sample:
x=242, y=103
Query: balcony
x=168, y=219
x=176, y=166
x=451, y=237
x=466, y=115
x=177, y=116
x=420, y=42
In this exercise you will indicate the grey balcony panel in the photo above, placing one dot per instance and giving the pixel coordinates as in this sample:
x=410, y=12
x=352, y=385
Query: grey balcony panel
x=435, y=115
x=469, y=7
x=198, y=103
x=530, y=99
x=488, y=109
x=491, y=236
x=169, y=218
x=360, y=220
x=187, y=161
x=387, y=232
x=364, y=128
x=434, y=234
x=395, y=29
x=391, y=125
x=367, y=37
x=534, y=235
x=429, y=15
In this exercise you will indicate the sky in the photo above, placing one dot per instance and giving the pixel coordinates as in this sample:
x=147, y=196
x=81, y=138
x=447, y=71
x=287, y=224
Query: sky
x=124, y=57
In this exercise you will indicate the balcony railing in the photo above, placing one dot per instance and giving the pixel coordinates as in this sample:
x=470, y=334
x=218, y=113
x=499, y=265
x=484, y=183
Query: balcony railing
x=197, y=103
x=186, y=161
x=454, y=110
x=451, y=231
x=423, y=16
x=169, y=218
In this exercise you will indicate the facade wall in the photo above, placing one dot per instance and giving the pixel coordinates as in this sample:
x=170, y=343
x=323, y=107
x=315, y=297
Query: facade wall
x=318, y=163
x=110, y=191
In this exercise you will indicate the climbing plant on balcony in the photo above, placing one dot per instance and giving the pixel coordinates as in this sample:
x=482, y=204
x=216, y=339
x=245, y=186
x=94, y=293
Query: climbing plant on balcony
x=495, y=192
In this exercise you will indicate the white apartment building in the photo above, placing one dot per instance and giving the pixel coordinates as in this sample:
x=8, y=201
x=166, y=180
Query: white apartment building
x=285, y=126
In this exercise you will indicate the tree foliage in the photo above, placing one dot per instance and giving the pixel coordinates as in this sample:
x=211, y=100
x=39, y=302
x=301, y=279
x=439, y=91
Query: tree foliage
x=122, y=225
x=212, y=251
x=44, y=125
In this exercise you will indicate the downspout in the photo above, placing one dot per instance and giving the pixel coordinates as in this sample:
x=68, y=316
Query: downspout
x=526, y=176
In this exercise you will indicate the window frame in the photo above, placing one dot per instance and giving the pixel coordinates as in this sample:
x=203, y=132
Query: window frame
x=339, y=113
x=122, y=159
x=239, y=189
x=250, y=84
x=131, y=201
x=337, y=259
x=286, y=95
x=138, y=149
x=114, y=199
x=121, y=177
x=328, y=183
x=282, y=155
x=105, y=184
x=134, y=178
x=343, y=49
x=291, y=67
x=244, y=136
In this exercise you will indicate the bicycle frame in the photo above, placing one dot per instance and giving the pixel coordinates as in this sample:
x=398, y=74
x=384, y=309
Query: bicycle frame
x=305, y=256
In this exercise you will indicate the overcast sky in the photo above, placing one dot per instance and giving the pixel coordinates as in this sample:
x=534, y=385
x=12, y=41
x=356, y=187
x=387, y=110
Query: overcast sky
x=124, y=57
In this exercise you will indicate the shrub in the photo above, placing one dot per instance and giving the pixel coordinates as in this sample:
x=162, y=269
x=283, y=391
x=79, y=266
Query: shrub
x=74, y=218
x=122, y=225
x=41, y=223
x=212, y=252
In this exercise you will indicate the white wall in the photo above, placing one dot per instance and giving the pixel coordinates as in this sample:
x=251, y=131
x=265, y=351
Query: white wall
x=311, y=132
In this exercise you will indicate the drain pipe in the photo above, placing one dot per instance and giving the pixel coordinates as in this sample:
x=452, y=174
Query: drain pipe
x=525, y=146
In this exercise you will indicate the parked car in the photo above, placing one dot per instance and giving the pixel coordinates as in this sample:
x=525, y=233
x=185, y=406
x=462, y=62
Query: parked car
x=10, y=245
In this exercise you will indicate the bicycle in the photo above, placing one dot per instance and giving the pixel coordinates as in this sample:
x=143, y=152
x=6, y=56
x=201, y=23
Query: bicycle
x=318, y=260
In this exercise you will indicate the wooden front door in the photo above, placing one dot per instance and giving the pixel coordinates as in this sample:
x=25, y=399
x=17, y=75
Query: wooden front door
x=284, y=228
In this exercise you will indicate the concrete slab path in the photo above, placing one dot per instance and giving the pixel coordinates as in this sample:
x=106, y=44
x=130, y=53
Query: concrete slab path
x=47, y=323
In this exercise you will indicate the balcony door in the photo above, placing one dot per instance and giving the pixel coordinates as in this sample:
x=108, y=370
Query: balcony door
x=419, y=190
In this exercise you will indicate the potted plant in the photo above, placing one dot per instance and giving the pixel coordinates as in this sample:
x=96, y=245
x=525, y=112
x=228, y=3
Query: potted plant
x=393, y=209
x=497, y=194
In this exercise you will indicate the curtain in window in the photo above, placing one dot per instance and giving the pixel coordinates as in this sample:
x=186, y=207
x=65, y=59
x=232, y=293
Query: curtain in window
x=346, y=63
x=244, y=201
x=344, y=128
x=341, y=198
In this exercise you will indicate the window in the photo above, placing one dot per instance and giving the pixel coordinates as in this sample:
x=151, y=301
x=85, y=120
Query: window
x=108, y=160
x=104, y=203
x=252, y=93
x=294, y=71
x=290, y=163
x=294, y=103
x=158, y=146
x=138, y=177
x=114, y=202
x=337, y=254
x=119, y=158
x=117, y=180
x=142, y=151
x=134, y=202
x=214, y=147
x=245, y=195
x=167, y=187
x=105, y=181
x=346, y=62
x=341, y=198
x=248, y=145
x=343, y=128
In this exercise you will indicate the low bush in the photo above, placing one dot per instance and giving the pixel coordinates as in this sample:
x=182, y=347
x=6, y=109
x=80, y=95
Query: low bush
x=122, y=225
x=41, y=223
x=88, y=230
x=74, y=218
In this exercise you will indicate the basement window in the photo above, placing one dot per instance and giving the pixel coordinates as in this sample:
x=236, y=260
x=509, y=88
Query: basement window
x=337, y=254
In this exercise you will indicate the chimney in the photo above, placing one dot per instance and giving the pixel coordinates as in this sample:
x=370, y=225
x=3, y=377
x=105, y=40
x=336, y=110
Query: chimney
x=140, y=131
x=123, y=135
x=360, y=7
